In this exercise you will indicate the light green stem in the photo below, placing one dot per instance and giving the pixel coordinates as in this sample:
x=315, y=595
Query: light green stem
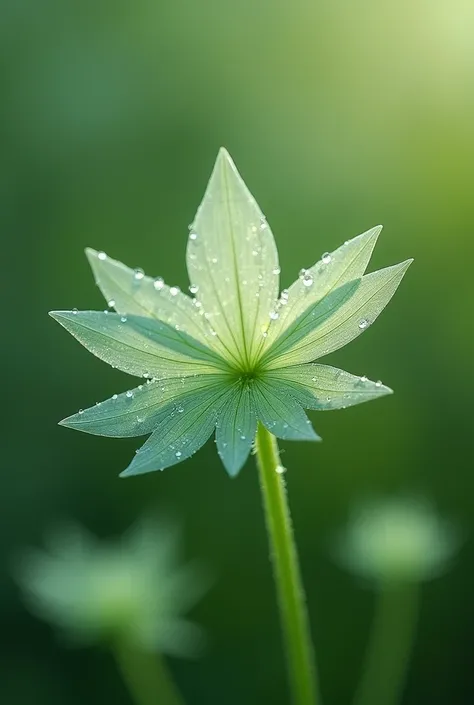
x=146, y=676
x=291, y=597
x=390, y=645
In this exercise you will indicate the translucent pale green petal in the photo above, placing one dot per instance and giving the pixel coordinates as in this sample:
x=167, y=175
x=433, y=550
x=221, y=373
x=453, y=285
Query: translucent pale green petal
x=280, y=413
x=233, y=260
x=300, y=331
x=138, y=346
x=332, y=271
x=182, y=430
x=131, y=292
x=322, y=387
x=345, y=322
x=138, y=411
x=235, y=430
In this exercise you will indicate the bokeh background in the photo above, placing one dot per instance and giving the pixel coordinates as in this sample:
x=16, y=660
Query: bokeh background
x=339, y=116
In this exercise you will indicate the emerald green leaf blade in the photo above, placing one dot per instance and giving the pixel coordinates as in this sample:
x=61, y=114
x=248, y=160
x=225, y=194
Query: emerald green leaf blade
x=138, y=412
x=179, y=435
x=324, y=388
x=138, y=346
x=280, y=413
x=236, y=429
x=348, y=321
x=131, y=292
x=346, y=264
x=233, y=261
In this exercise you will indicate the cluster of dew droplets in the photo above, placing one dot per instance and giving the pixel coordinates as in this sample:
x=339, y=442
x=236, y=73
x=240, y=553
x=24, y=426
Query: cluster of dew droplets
x=306, y=278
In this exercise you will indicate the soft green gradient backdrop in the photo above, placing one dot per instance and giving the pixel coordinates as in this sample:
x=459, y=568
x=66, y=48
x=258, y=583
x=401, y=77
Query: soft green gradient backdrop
x=339, y=116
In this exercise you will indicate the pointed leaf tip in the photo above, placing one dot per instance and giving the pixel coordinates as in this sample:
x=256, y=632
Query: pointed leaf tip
x=90, y=253
x=224, y=154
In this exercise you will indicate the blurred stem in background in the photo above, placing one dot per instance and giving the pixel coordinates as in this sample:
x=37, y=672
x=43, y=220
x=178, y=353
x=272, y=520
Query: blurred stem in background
x=146, y=675
x=390, y=646
x=291, y=596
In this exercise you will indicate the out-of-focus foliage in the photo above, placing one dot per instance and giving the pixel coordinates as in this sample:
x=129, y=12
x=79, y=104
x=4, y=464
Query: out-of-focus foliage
x=132, y=590
x=396, y=541
x=340, y=116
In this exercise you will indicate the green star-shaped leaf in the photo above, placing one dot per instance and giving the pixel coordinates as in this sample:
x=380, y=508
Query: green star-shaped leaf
x=239, y=351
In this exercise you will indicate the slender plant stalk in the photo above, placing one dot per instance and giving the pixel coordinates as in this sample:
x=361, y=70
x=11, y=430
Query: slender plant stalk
x=390, y=645
x=146, y=676
x=290, y=592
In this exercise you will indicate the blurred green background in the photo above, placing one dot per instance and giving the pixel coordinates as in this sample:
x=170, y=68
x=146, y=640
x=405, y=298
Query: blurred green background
x=339, y=116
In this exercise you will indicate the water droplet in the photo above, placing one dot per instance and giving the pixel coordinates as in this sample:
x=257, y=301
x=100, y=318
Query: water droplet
x=326, y=258
x=81, y=411
x=280, y=470
x=364, y=378
x=263, y=224
x=138, y=274
x=276, y=270
x=177, y=326
x=158, y=283
x=146, y=375
x=123, y=319
x=194, y=288
x=274, y=315
x=242, y=438
x=308, y=279
x=363, y=323
x=111, y=303
x=174, y=290
x=192, y=236
x=314, y=379
x=301, y=273
x=197, y=303
x=129, y=394
x=115, y=396
x=255, y=252
x=284, y=297
x=75, y=311
x=101, y=256
x=378, y=383
x=254, y=229
x=180, y=409
x=106, y=310
x=178, y=454
x=214, y=260
x=140, y=419
x=212, y=331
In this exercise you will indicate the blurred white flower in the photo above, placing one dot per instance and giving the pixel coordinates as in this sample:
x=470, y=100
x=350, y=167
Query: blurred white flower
x=397, y=540
x=132, y=589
